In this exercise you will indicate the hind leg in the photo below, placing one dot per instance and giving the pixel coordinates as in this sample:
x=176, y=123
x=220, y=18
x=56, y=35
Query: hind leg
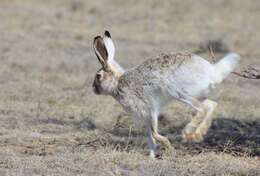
x=205, y=124
x=191, y=127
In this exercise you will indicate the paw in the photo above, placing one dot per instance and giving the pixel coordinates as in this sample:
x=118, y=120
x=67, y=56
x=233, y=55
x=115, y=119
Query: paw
x=186, y=135
x=168, y=144
x=152, y=155
x=197, y=137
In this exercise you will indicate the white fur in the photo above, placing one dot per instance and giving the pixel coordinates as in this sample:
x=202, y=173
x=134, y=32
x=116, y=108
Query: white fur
x=110, y=47
x=226, y=65
x=197, y=78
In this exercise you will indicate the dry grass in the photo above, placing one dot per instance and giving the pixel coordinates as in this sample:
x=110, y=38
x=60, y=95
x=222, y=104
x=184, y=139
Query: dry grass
x=51, y=123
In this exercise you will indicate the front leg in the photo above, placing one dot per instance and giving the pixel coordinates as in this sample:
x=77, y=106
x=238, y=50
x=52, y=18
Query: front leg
x=155, y=136
x=152, y=142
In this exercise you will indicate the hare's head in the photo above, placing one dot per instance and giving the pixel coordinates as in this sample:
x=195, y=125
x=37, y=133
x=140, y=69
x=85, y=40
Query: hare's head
x=106, y=78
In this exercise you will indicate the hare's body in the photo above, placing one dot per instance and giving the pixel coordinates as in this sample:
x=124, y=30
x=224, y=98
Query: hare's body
x=144, y=89
x=152, y=84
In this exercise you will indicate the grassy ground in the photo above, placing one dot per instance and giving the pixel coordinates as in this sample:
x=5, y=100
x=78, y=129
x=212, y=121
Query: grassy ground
x=51, y=123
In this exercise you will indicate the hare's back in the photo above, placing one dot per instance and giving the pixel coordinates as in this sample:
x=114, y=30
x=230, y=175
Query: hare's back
x=153, y=70
x=164, y=62
x=173, y=73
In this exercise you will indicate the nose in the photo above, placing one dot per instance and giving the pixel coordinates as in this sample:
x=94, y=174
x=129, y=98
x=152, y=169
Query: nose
x=95, y=87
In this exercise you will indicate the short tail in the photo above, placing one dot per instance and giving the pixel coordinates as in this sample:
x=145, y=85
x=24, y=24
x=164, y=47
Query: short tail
x=225, y=66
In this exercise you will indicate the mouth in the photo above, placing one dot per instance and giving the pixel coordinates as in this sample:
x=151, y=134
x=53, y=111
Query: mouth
x=96, y=91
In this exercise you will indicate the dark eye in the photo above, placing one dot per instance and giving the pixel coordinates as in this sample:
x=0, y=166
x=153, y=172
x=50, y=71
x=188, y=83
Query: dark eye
x=98, y=76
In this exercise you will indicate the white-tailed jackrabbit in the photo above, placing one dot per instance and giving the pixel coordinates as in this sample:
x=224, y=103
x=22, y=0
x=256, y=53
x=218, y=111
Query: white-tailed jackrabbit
x=144, y=89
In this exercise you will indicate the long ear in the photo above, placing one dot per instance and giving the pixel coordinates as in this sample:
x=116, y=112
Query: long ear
x=100, y=50
x=109, y=45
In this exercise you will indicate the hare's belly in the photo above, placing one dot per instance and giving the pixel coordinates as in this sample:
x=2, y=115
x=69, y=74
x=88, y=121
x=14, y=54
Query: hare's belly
x=193, y=89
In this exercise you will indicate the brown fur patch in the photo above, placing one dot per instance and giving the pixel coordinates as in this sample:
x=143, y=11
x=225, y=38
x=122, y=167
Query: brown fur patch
x=158, y=137
x=104, y=74
x=165, y=60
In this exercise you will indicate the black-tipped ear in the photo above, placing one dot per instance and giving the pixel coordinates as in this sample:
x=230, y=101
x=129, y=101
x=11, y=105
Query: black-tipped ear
x=107, y=34
x=100, y=50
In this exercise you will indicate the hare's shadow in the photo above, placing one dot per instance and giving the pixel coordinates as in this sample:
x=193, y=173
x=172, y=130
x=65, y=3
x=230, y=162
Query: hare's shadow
x=225, y=135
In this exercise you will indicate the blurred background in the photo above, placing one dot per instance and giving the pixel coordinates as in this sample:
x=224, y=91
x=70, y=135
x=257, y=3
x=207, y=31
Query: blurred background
x=48, y=112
